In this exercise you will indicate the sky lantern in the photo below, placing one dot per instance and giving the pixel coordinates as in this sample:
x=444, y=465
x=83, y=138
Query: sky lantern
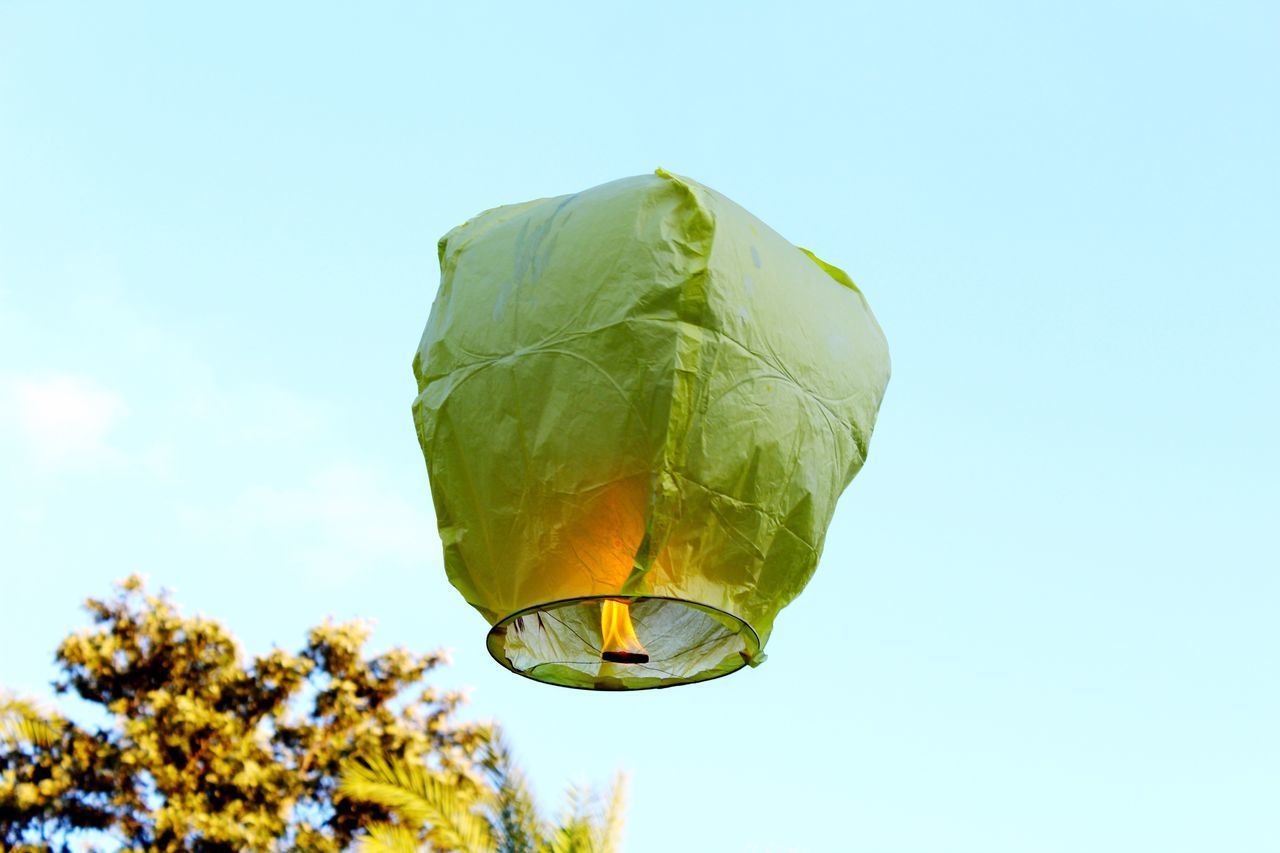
x=638, y=406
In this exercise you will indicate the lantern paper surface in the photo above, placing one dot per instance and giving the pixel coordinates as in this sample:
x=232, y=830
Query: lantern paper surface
x=638, y=405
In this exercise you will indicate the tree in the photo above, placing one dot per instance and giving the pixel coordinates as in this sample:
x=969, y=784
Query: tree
x=203, y=750
x=499, y=818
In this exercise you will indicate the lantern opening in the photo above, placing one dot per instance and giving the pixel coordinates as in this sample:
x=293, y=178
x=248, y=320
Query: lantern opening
x=568, y=642
x=621, y=645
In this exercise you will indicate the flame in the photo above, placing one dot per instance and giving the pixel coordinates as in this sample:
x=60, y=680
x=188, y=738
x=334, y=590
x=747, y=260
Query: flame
x=620, y=643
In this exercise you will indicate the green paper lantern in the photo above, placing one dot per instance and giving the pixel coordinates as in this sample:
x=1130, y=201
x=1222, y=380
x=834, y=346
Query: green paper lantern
x=638, y=405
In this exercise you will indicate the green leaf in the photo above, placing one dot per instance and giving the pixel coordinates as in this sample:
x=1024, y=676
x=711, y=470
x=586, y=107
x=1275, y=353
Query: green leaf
x=419, y=796
x=388, y=838
x=614, y=816
x=21, y=724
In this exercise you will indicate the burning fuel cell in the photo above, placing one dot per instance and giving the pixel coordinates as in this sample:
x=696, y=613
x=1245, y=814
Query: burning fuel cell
x=619, y=643
x=638, y=406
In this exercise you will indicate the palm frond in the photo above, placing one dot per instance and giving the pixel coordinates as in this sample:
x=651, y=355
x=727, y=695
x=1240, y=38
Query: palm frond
x=575, y=832
x=416, y=794
x=386, y=837
x=589, y=824
x=515, y=814
x=614, y=816
x=21, y=724
x=571, y=837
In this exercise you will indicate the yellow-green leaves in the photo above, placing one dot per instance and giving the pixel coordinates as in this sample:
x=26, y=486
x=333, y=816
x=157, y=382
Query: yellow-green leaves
x=433, y=812
x=383, y=837
x=423, y=799
x=22, y=724
x=205, y=746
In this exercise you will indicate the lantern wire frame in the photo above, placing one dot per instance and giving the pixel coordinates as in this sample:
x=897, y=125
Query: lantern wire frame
x=561, y=643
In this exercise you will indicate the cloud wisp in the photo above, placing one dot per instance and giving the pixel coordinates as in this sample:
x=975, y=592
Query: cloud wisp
x=64, y=420
x=343, y=521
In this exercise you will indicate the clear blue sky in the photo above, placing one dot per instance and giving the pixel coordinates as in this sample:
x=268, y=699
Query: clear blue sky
x=1046, y=618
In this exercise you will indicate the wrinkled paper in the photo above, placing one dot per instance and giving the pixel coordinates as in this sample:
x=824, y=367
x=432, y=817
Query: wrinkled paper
x=639, y=392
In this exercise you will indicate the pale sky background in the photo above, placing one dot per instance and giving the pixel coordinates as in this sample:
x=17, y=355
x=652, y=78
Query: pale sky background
x=1047, y=615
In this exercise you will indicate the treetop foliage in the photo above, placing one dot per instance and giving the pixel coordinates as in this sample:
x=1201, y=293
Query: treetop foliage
x=207, y=750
